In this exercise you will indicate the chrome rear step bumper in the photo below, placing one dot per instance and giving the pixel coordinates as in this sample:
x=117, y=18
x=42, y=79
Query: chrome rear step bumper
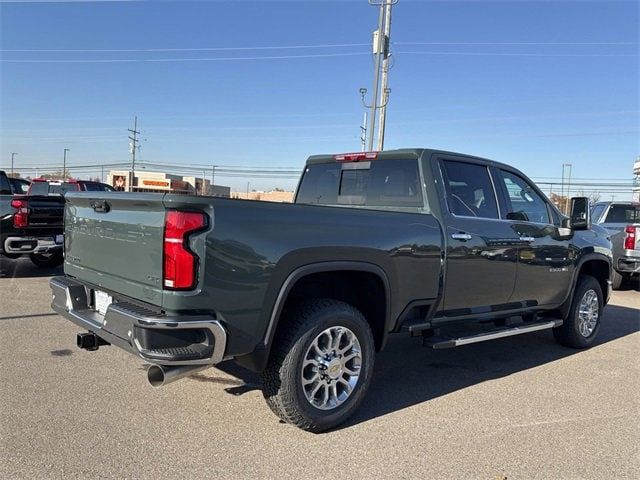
x=142, y=331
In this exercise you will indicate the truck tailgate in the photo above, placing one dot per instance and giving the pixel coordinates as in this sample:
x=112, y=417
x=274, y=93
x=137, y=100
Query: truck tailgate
x=115, y=241
x=45, y=210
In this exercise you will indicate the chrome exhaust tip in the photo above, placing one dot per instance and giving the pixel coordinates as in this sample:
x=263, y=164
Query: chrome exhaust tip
x=160, y=375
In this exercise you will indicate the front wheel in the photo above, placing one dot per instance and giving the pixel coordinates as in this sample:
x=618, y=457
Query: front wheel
x=582, y=323
x=321, y=365
x=47, y=260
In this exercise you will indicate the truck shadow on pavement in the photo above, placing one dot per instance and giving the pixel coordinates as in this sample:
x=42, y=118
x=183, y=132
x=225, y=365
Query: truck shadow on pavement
x=406, y=373
x=23, y=268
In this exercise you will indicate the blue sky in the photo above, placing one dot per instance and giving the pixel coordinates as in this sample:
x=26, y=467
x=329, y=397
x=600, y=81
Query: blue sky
x=534, y=84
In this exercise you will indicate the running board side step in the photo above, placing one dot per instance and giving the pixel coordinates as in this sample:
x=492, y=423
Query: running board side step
x=440, y=342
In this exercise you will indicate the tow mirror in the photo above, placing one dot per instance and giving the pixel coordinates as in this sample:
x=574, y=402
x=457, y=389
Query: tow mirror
x=580, y=218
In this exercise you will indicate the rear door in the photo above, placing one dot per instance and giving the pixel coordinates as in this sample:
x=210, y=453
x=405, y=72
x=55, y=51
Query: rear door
x=115, y=241
x=481, y=248
x=545, y=260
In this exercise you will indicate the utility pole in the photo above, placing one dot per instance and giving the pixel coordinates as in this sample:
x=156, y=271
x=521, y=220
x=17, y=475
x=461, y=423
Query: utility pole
x=363, y=133
x=565, y=193
x=64, y=164
x=381, y=52
x=385, y=75
x=134, y=145
x=12, y=155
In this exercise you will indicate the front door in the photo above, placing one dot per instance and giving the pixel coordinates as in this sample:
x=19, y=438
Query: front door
x=545, y=260
x=481, y=248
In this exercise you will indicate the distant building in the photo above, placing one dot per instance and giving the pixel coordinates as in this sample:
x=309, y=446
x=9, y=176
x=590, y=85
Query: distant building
x=272, y=196
x=636, y=180
x=161, y=182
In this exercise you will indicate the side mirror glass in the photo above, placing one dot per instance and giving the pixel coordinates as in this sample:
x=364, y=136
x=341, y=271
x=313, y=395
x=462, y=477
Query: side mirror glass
x=580, y=217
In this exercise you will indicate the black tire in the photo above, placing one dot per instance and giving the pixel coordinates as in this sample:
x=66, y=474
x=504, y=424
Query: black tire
x=616, y=280
x=568, y=334
x=282, y=379
x=47, y=260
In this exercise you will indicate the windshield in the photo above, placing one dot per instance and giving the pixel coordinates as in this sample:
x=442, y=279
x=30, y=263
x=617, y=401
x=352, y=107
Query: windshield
x=393, y=184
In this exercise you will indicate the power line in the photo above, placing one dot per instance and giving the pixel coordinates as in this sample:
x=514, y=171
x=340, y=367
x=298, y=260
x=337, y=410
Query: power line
x=514, y=54
x=321, y=55
x=297, y=47
x=202, y=59
x=519, y=43
x=196, y=49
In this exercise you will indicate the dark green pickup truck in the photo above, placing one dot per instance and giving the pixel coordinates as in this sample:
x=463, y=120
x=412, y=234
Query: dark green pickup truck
x=418, y=240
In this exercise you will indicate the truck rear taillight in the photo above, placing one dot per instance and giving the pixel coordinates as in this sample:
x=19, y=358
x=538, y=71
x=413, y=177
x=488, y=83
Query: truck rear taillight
x=355, y=157
x=21, y=217
x=630, y=239
x=180, y=264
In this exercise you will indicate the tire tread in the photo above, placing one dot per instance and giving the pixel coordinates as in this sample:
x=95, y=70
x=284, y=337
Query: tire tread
x=300, y=319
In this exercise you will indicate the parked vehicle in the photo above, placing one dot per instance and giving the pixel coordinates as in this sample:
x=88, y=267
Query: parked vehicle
x=19, y=186
x=446, y=246
x=30, y=225
x=622, y=221
x=43, y=186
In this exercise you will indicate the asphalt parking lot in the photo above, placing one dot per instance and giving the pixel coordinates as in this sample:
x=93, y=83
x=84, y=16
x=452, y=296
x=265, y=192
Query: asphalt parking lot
x=521, y=407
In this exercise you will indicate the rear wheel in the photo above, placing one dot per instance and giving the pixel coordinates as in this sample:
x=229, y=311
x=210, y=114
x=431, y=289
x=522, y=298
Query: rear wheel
x=582, y=323
x=321, y=365
x=47, y=260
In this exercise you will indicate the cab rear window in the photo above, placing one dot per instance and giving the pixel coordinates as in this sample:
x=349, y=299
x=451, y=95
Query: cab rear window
x=377, y=184
x=623, y=214
x=46, y=188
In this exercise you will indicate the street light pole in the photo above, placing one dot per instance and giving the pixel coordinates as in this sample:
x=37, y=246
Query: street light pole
x=64, y=164
x=12, y=155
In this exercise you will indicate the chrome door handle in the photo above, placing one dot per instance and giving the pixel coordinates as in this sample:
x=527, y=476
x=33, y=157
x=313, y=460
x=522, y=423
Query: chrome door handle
x=461, y=236
x=527, y=239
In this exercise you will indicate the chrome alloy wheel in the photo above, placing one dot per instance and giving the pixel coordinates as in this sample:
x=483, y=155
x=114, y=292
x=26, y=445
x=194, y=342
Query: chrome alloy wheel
x=331, y=368
x=588, y=312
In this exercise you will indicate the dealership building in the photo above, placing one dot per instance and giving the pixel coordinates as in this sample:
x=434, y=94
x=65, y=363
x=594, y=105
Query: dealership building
x=161, y=182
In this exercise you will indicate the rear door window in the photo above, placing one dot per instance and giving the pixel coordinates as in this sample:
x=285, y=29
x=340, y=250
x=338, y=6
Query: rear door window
x=376, y=184
x=469, y=190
